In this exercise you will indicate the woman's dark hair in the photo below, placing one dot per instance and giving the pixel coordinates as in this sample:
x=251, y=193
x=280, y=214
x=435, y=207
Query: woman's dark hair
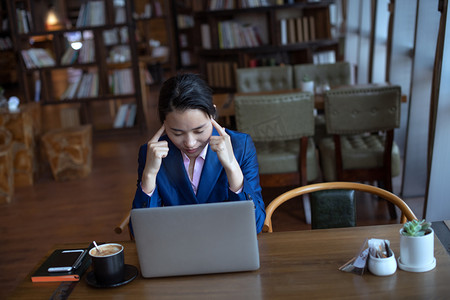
x=185, y=91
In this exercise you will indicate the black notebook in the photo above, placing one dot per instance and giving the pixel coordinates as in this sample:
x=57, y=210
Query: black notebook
x=61, y=260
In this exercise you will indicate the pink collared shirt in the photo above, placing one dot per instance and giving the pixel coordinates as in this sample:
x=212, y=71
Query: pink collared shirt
x=198, y=168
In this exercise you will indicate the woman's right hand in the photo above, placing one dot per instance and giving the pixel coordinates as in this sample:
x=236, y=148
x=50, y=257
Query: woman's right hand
x=156, y=151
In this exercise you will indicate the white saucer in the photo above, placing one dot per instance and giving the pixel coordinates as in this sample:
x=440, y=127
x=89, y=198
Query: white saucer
x=426, y=268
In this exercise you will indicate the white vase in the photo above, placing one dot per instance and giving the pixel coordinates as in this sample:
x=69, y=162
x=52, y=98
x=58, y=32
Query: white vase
x=307, y=86
x=417, y=252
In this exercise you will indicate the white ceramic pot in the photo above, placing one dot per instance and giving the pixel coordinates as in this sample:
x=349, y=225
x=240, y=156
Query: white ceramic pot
x=307, y=86
x=382, y=266
x=417, y=252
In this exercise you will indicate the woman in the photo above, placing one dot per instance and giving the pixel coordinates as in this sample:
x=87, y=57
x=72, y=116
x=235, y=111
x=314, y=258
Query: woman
x=196, y=160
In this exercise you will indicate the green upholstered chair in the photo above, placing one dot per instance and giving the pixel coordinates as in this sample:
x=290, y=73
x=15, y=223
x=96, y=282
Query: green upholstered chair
x=263, y=79
x=281, y=126
x=335, y=74
x=323, y=215
x=361, y=121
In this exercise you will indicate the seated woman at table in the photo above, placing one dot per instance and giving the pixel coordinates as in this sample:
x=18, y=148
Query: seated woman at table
x=192, y=159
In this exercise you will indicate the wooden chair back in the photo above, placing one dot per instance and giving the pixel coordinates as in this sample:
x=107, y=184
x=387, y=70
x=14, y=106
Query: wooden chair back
x=406, y=212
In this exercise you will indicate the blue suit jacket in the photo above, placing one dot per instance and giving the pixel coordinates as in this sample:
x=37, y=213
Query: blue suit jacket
x=174, y=188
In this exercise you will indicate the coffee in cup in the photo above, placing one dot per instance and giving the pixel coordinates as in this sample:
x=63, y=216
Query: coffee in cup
x=108, y=263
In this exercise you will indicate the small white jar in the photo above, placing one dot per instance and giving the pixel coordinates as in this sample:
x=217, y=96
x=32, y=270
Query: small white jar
x=382, y=266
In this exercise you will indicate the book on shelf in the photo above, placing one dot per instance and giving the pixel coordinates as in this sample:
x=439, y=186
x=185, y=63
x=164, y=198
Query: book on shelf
x=120, y=15
x=147, y=10
x=121, y=82
x=283, y=32
x=131, y=116
x=236, y=35
x=125, y=116
x=87, y=52
x=158, y=8
x=43, y=275
x=111, y=36
x=5, y=43
x=221, y=74
x=292, y=35
x=299, y=29
x=312, y=28
x=37, y=90
x=69, y=56
x=23, y=20
x=185, y=21
x=305, y=24
x=91, y=13
x=206, y=36
x=37, y=58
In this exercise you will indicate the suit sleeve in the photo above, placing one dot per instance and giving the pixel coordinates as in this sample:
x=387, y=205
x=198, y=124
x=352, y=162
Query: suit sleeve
x=141, y=199
x=251, y=189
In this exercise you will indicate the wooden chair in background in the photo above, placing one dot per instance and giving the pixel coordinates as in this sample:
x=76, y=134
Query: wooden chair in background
x=361, y=121
x=281, y=126
x=264, y=79
x=406, y=212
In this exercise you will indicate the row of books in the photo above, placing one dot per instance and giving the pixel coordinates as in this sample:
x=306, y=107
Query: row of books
x=5, y=24
x=236, y=35
x=221, y=74
x=115, y=36
x=37, y=58
x=120, y=15
x=86, y=54
x=185, y=21
x=23, y=20
x=125, y=116
x=5, y=43
x=121, y=82
x=150, y=10
x=297, y=30
x=91, y=13
x=84, y=86
x=231, y=4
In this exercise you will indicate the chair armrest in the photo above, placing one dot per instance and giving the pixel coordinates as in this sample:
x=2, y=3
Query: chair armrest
x=124, y=223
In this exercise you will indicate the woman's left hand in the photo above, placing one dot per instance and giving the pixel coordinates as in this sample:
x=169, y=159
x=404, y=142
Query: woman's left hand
x=221, y=144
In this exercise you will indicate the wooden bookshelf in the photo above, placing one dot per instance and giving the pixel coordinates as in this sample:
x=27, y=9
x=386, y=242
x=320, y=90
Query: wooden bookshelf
x=242, y=35
x=8, y=66
x=184, y=30
x=155, y=35
x=96, y=79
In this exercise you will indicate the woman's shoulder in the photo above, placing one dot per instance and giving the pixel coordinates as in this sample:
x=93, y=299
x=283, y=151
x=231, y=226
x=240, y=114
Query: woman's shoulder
x=237, y=135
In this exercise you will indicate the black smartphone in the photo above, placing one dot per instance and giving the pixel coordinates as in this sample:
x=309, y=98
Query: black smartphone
x=67, y=260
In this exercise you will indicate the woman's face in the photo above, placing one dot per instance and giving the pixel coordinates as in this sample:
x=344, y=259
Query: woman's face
x=190, y=130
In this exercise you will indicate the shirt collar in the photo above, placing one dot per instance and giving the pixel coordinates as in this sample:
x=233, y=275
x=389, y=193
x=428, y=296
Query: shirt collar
x=202, y=154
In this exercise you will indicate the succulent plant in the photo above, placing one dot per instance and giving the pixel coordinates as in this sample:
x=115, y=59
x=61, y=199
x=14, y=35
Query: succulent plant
x=416, y=228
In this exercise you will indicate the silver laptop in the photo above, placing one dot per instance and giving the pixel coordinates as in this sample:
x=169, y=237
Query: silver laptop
x=196, y=239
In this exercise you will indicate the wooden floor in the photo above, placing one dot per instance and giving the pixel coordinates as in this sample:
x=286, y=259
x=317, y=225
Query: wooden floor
x=88, y=209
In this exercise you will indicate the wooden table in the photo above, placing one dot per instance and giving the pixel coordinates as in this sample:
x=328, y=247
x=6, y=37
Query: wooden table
x=300, y=265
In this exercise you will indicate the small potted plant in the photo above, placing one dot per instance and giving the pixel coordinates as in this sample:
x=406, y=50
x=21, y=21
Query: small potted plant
x=307, y=84
x=417, y=247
